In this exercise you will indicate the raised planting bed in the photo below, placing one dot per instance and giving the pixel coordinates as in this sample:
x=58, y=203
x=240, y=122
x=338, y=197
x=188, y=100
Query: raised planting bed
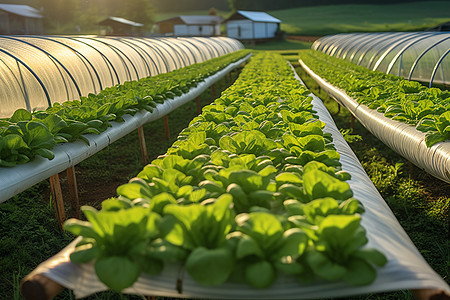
x=411, y=119
x=118, y=120
x=259, y=198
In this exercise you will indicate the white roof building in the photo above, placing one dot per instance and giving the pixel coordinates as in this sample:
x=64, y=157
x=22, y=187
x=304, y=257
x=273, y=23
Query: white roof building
x=121, y=26
x=252, y=25
x=20, y=19
x=21, y=10
x=191, y=25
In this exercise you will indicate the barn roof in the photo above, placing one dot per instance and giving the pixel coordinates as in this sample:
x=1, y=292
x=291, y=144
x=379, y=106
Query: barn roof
x=195, y=20
x=110, y=20
x=255, y=16
x=21, y=10
x=201, y=19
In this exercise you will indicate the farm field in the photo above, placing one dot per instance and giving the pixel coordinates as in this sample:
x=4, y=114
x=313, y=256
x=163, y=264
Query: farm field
x=419, y=202
x=331, y=19
x=323, y=20
x=257, y=157
x=288, y=45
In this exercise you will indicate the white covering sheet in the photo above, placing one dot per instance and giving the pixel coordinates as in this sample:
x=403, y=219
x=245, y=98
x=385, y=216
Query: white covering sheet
x=406, y=268
x=19, y=178
x=401, y=137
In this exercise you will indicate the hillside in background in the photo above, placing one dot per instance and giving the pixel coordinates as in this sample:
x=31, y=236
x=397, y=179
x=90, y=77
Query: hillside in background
x=284, y=4
x=331, y=19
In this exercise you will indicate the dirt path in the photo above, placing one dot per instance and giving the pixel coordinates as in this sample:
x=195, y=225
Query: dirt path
x=303, y=38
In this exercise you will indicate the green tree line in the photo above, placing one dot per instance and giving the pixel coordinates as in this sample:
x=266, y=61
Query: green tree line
x=84, y=15
x=285, y=4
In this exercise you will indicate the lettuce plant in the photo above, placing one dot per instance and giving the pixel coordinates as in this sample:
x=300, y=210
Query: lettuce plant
x=264, y=244
x=117, y=241
x=338, y=251
x=202, y=231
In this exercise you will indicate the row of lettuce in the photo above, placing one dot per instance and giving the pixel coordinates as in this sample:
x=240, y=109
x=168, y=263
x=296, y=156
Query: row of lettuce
x=428, y=109
x=25, y=135
x=251, y=190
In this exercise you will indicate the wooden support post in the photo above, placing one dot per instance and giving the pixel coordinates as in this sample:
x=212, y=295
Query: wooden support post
x=57, y=199
x=199, y=107
x=352, y=122
x=144, y=154
x=411, y=168
x=430, y=294
x=166, y=127
x=213, y=91
x=73, y=190
x=39, y=287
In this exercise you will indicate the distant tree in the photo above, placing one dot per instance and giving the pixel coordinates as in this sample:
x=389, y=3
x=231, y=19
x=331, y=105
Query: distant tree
x=232, y=4
x=140, y=11
x=184, y=6
x=89, y=13
x=58, y=12
x=213, y=12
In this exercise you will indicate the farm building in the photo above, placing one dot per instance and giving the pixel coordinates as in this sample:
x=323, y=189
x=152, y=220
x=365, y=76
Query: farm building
x=120, y=26
x=191, y=26
x=20, y=19
x=252, y=25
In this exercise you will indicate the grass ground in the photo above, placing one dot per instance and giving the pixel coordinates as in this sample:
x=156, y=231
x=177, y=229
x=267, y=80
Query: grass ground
x=290, y=46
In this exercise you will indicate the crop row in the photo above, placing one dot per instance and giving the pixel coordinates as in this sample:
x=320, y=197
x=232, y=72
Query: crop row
x=27, y=134
x=251, y=189
x=428, y=109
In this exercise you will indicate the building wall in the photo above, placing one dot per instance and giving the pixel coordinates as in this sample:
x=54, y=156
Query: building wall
x=240, y=29
x=207, y=30
x=194, y=30
x=4, y=23
x=272, y=29
x=217, y=29
x=260, y=30
x=166, y=27
x=246, y=29
x=14, y=24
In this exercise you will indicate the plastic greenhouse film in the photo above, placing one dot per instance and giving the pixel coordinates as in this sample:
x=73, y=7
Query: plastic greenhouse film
x=402, y=138
x=38, y=71
x=17, y=179
x=406, y=269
